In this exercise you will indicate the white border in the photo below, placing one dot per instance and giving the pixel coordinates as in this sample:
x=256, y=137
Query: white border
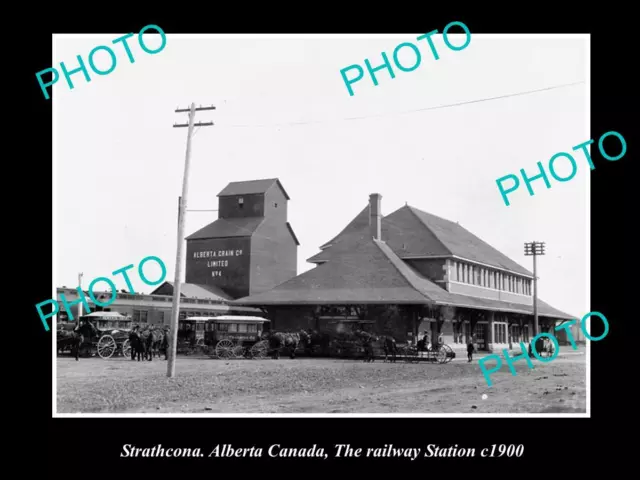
x=586, y=37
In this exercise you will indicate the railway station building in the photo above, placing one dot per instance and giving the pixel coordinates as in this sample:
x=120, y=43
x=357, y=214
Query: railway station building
x=411, y=272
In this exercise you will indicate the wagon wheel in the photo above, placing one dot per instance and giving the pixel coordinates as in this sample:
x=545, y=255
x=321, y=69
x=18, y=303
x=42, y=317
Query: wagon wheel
x=106, y=346
x=441, y=355
x=450, y=353
x=238, y=351
x=126, y=348
x=259, y=350
x=224, y=349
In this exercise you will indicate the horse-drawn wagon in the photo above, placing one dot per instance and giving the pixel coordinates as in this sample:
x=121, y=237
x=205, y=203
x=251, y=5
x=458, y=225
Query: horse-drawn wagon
x=235, y=336
x=113, y=329
x=432, y=353
x=103, y=333
x=191, y=332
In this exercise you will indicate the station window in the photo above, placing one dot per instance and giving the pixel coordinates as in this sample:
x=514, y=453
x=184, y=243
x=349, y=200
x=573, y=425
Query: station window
x=479, y=332
x=500, y=330
x=457, y=332
x=515, y=333
x=139, y=316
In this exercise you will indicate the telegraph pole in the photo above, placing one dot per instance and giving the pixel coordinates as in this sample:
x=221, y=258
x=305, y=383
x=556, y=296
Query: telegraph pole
x=175, y=312
x=179, y=203
x=534, y=249
x=80, y=275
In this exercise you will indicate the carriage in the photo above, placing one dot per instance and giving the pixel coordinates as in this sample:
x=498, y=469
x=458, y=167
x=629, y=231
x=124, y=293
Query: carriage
x=114, y=331
x=441, y=353
x=191, y=334
x=234, y=336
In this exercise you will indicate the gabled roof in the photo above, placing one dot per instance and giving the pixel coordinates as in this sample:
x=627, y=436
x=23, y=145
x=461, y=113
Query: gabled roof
x=228, y=227
x=193, y=290
x=362, y=275
x=367, y=271
x=251, y=187
x=462, y=243
x=411, y=232
x=356, y=225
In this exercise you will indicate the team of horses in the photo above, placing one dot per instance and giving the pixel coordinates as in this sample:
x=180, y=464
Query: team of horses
x=149, y=341
x=289, y=341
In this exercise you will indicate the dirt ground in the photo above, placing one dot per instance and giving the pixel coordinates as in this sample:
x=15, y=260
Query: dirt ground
x=307, y=385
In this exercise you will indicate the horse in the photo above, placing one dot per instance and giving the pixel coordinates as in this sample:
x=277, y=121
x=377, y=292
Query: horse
x=368, y=342
x=305, y=340
x=389, y=347
x=312, y=339
x=279, y=340
x=75, y=338
x=155, y=340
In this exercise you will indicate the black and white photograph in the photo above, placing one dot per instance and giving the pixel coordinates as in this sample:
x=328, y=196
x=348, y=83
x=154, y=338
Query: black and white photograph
x=322, y=225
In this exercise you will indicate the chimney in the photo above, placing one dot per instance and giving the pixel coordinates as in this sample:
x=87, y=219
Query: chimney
x=375, y=217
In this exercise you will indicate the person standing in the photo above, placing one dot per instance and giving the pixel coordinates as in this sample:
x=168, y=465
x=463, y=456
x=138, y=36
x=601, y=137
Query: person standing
x=470, y=350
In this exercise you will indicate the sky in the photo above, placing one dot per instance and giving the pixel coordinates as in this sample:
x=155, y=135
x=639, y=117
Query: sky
x=283, y=111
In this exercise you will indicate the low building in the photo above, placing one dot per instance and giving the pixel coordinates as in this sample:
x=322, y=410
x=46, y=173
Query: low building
x=156, y=308
x=412, y=272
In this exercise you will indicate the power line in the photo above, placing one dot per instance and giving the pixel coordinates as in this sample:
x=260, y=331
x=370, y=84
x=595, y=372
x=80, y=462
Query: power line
x=312, y=122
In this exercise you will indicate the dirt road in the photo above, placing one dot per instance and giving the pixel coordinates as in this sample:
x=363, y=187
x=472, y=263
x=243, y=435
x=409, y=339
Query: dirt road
x=203, y=385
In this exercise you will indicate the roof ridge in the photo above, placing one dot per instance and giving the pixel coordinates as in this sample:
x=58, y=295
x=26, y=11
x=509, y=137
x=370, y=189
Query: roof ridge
x=469, y=232
x=411, y=209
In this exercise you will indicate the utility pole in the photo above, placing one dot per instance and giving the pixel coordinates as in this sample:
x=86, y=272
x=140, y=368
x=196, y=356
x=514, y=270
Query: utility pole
x=179, y=203
x=534, y=249
x=175, y=312
x=80, y=275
